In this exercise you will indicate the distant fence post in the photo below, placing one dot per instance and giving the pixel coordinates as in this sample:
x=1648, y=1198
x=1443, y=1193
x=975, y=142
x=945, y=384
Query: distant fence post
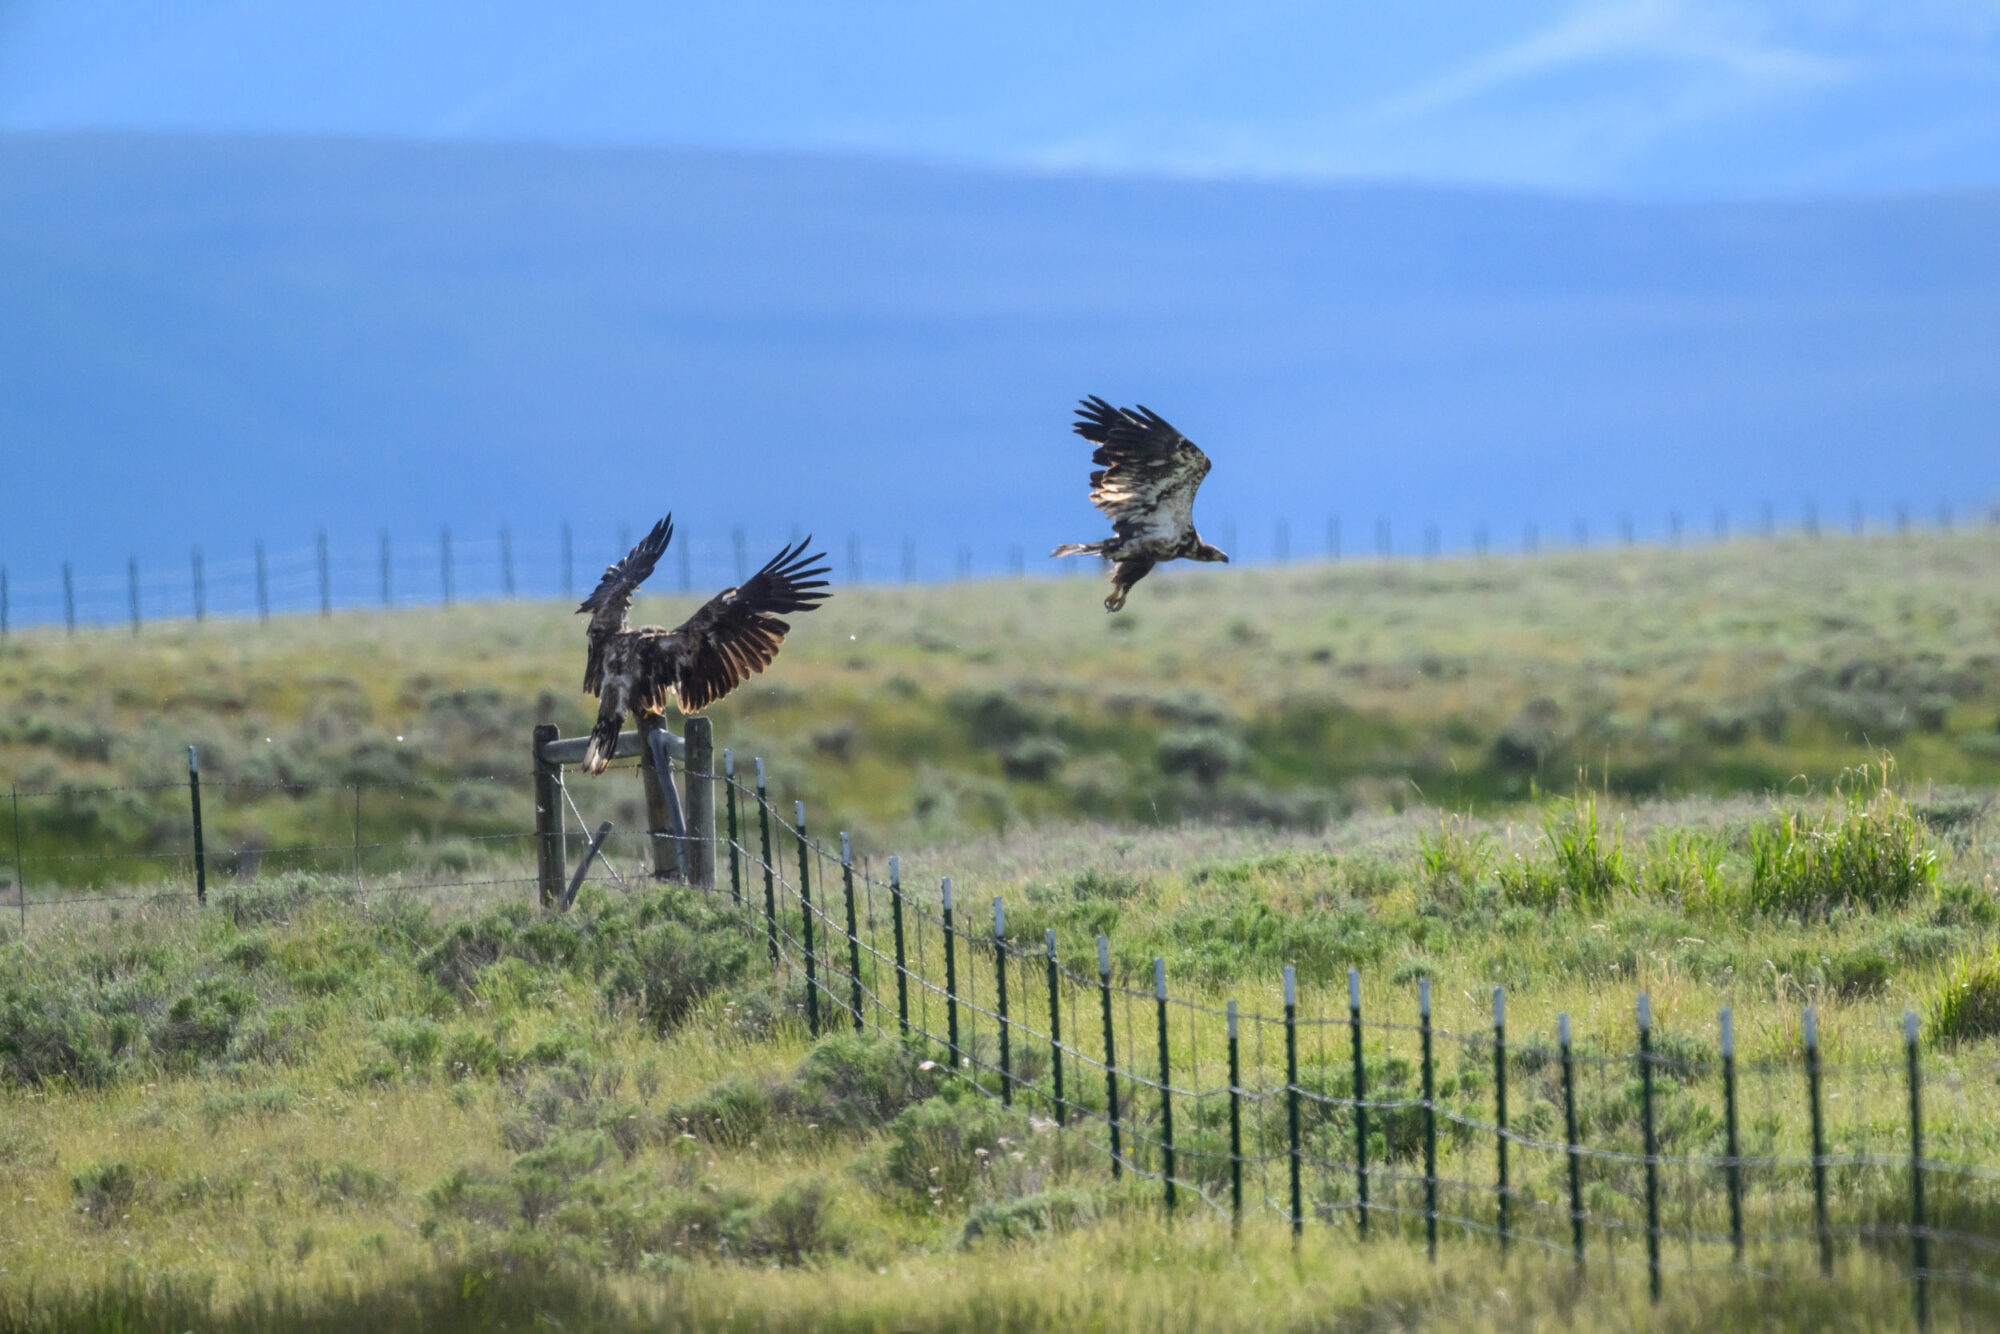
x=806, y=918
x=1166, y=1085
x=325, y=578
x=950, y=976
x=698, y=784
x=1000, y=995
x=506, y=561
x=1235, y=1126
x=1360, y=1101
x=132, y=590
x=263, y=585
x=550, y=855
x=1652, y=1141
x=568, y=561
x=735, y=847
x=853, y=929
x=3, y=602
x=385, y=562
x=69, y=600
x=194, y=802
x=1110, y=1055
x=896, y=927
x=1732, y=1167
x=200, y=589
x=444, y=563
x=1292, y=1101
x=1430, y=1121
x=1055, y=1028
x=1571, y=1148
x=1920, y=1242
x=1500, y=1111
x=770, y=875
x=1820, y=1223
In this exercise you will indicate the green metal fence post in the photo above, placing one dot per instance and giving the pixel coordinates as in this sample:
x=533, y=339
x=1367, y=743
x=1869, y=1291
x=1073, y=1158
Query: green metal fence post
x=1292, y=1101
x=1166, y=1085
x=1500, y=1110
x=1000, y=998
x=853, y=930
x=1110, y=1055
x=770, y=873
x=1055, y=1030
x=1820, y=1223
x=1430, y=1122
x=1732, y=1166
x=1235, y=1128
x=806, y=919
x=1569, y=1139
x=1360, y=1095
x=896, y=926
x=200, y=855
x=950, y=980
x=1920, y=1241
x=1652, y=1145
x=735, y=847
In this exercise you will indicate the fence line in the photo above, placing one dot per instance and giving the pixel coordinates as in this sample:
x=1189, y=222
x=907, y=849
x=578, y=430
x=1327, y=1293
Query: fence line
x=1624, y=1155
x=449, y=568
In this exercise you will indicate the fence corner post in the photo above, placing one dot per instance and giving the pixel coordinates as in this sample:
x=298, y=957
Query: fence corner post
x=698, y=782
x=550, y=855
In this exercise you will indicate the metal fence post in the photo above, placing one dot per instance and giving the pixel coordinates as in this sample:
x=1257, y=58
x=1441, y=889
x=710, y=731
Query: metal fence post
x=1000, y=996
x=194, y=800
x=806, y=919
x=20, y=876
x=132, y=590
x=1055, y=1028
x=325, y=577
x=1235, y=1128
x=1110, y=1054
x=1820, y=1223
x=550, y=855
x=1732, y=1167
x=1430, y=1122
x=896, y=925
x=263, y=586
x=383, y=560
x=1166, y=1084
x=199, y=586
x=735, y=847
x=1500, y=1110
x=1569, y=1139
x=506, y=561
x=950, y=978
x=69, y=600
x=1652, y=1145
x=444, y=563
x=1920, y=1242
x=1292, y=1099
x=853, y=929
x=1360, y=1104
x=770, y=874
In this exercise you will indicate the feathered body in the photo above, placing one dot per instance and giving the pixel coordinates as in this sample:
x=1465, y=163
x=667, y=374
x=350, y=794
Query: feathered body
x=1147, y=476
x=734, y=635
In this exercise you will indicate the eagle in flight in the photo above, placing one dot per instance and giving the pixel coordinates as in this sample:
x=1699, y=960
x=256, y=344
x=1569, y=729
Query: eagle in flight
x=1147, y=476
x=735, y=634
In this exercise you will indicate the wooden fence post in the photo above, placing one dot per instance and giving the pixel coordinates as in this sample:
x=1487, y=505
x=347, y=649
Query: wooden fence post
x=550, y=855
x=662, y=810
x=698, y=783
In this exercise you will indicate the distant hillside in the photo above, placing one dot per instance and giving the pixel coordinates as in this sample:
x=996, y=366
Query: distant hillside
x=224, y=340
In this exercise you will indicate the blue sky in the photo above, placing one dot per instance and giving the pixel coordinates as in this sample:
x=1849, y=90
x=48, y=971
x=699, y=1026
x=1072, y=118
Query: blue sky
x=1677, y=98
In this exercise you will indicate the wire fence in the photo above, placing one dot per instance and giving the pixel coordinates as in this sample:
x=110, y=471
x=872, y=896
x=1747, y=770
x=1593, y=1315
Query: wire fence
x=395, y=570
x=1311, y=1104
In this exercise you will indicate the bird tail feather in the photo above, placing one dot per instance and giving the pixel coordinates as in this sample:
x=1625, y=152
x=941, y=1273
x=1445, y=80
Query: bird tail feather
x=603, y=742
x=1079, y=549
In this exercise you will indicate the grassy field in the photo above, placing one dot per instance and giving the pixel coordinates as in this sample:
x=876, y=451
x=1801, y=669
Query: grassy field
x=1580, y=776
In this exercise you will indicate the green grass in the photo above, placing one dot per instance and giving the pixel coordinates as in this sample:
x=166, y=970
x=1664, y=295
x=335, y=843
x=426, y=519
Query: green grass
x=324, y=1103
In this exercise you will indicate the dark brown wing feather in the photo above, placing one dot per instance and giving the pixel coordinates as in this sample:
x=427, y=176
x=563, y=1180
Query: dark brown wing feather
x=612, y=599
x=1148, y=472
x=737, y=633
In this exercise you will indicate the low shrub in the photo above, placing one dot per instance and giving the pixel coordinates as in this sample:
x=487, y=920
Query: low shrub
x=939, y=1148
x=105, y=1191
x=1017, y=1220
x=856, y=1083
x=1866, y=850
x=1966, y=1007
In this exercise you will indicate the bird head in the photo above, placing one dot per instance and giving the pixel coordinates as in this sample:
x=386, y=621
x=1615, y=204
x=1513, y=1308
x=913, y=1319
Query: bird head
x=1211, y=553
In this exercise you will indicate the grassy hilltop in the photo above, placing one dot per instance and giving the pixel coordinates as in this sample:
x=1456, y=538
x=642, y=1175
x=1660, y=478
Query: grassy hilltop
x=302, y=1108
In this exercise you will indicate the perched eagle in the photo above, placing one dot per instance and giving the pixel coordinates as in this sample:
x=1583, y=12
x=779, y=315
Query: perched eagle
x=736, y=633
x=1148, y=474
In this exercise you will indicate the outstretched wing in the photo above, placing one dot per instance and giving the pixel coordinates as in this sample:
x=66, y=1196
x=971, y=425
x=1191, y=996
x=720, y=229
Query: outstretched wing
x=1148, y=474
x=613, y=597
x=737, y=633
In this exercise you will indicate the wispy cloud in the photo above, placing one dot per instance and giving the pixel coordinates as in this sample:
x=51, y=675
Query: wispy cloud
x=1667, y=33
